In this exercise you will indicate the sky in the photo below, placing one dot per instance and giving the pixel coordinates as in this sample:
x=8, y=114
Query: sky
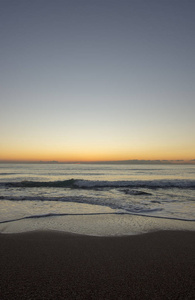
x=97, y=80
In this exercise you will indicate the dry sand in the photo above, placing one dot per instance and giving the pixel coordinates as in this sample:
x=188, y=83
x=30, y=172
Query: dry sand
x=55, y=265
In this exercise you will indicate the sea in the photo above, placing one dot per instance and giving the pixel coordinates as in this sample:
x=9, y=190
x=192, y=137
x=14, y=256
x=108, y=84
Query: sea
x=97, y=199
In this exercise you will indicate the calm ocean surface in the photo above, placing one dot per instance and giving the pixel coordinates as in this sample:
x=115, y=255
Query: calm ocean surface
x=43, y=191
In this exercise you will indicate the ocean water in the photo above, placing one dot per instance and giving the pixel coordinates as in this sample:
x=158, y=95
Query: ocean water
x=96, y=199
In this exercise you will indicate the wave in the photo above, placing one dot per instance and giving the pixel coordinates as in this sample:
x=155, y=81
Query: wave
x=135, y=192
x=4, y=174
x=150, y=208
x=95, y=184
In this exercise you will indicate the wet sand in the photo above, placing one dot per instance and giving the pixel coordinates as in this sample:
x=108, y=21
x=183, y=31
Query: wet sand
x=56, y=265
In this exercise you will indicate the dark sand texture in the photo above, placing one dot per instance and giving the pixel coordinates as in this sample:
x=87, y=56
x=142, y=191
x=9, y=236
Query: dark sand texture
x=54, y=265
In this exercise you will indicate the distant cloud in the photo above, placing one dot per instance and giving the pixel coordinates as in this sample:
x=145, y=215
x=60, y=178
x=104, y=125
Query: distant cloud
x=48, y=162
x=137, y=161
x=179, y=160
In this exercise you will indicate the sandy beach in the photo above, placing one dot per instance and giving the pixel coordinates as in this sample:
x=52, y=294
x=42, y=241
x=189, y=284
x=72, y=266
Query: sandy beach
x=56, y=265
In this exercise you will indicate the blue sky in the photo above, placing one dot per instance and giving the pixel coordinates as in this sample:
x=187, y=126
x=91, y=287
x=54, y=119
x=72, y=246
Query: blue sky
x=105, y=80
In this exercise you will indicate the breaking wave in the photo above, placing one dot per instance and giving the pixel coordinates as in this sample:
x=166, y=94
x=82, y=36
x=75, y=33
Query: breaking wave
x=93, y=184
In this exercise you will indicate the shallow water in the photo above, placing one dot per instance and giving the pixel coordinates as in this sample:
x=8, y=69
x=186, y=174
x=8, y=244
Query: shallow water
x=42, y=192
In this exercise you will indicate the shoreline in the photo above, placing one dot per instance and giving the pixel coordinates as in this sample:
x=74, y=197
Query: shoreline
x=59, y=265
x=97, y=225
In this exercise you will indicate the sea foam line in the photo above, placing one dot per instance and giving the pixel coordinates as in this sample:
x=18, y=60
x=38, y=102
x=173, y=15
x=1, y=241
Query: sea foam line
x=94, y=214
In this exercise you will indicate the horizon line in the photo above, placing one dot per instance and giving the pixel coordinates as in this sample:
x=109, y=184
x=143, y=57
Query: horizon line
x=131, y=161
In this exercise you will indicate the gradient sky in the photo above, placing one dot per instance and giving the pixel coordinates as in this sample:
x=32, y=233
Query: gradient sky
x=97, y=79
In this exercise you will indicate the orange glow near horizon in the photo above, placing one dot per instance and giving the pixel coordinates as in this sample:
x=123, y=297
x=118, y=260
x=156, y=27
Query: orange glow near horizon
x=91, y=148
x=90, y=155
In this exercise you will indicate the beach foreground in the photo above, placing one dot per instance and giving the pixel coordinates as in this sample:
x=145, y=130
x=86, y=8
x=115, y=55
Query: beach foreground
x=55, y=265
